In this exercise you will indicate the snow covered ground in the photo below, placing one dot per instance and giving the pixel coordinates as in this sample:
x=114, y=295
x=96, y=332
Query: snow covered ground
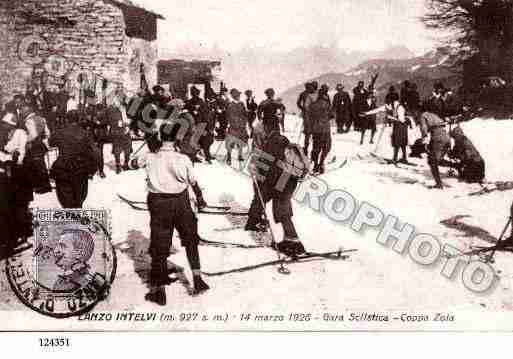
x=374, y=279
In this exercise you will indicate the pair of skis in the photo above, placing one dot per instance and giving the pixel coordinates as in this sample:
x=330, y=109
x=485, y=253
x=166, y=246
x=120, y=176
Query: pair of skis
x=331, y=166
x=493, y=187
x=388, y=161
x=341, y=254
x=213, y=210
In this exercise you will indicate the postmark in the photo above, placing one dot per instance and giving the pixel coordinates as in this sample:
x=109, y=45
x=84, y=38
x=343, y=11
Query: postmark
x=71, y=266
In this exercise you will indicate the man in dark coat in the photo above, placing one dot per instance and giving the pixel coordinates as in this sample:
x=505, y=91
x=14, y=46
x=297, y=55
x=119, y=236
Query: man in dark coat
x=343, y=109
x=309, y=98
x=319, y=113
x=199, y=110
x=268, y=110
x=100, y=131
x=471, y=166
x=119, y=135
x=76, y=162
x=359, y=98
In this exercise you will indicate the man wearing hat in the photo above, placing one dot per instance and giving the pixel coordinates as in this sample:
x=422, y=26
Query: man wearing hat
x=342, y=107
x=198, y=108
x=237, y=135
x=319, y=113
x=268, y=111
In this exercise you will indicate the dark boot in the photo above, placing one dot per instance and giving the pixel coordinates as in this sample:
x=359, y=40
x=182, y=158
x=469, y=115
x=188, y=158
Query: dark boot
x=255, y=227
x=199, y=285
x=102, y=174
x=157, y=296
x=118, y=169
x=290, y=247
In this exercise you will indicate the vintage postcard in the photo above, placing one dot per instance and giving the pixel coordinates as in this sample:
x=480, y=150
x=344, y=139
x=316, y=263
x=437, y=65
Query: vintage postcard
x=224, y=165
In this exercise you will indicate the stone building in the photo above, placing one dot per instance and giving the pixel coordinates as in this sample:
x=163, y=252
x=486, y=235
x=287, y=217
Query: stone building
x=181, y=74
x=97, y=45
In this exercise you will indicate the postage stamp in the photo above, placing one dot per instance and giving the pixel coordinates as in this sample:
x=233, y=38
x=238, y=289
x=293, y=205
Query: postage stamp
x=72, y=264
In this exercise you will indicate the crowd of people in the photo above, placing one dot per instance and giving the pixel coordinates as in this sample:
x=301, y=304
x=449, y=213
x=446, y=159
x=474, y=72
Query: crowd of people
x=403, y=110
x=33, y=123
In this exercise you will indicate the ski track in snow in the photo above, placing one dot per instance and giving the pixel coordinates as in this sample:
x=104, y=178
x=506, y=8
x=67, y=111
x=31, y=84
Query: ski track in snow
x=374, y=278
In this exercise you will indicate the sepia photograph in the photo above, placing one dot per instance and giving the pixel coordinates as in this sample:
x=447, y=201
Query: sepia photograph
x=266, y=166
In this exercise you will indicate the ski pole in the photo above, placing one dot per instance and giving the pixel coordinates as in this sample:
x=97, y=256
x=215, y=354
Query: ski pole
x=139, y=149
x=492, y=253
x=282, y=269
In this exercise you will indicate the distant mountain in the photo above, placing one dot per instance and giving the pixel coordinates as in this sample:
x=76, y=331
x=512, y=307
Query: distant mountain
x=424, y=70
x=258, y=68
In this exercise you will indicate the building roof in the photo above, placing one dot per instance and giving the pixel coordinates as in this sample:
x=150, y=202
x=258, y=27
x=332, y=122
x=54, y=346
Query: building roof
x=130, y=5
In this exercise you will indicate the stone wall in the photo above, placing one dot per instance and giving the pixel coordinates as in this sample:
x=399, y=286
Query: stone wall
x=78, y=37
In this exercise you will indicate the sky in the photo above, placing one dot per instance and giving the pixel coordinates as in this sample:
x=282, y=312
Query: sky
x=287, y=24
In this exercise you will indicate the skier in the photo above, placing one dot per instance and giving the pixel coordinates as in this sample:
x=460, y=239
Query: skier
x=342, y=107
x=368, y=122
x=199, y=110
x=169, y=175
x=307, y=122
x=287, y=162
x=119, y=134
x=319, y=113
x=471, y=166
x=400, y=124
x=237, y=134
x=439, y=144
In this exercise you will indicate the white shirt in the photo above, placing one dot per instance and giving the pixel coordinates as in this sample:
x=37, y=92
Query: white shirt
x=18, y=142
x=31, y=127
x=167, y=171
x=71, y=105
